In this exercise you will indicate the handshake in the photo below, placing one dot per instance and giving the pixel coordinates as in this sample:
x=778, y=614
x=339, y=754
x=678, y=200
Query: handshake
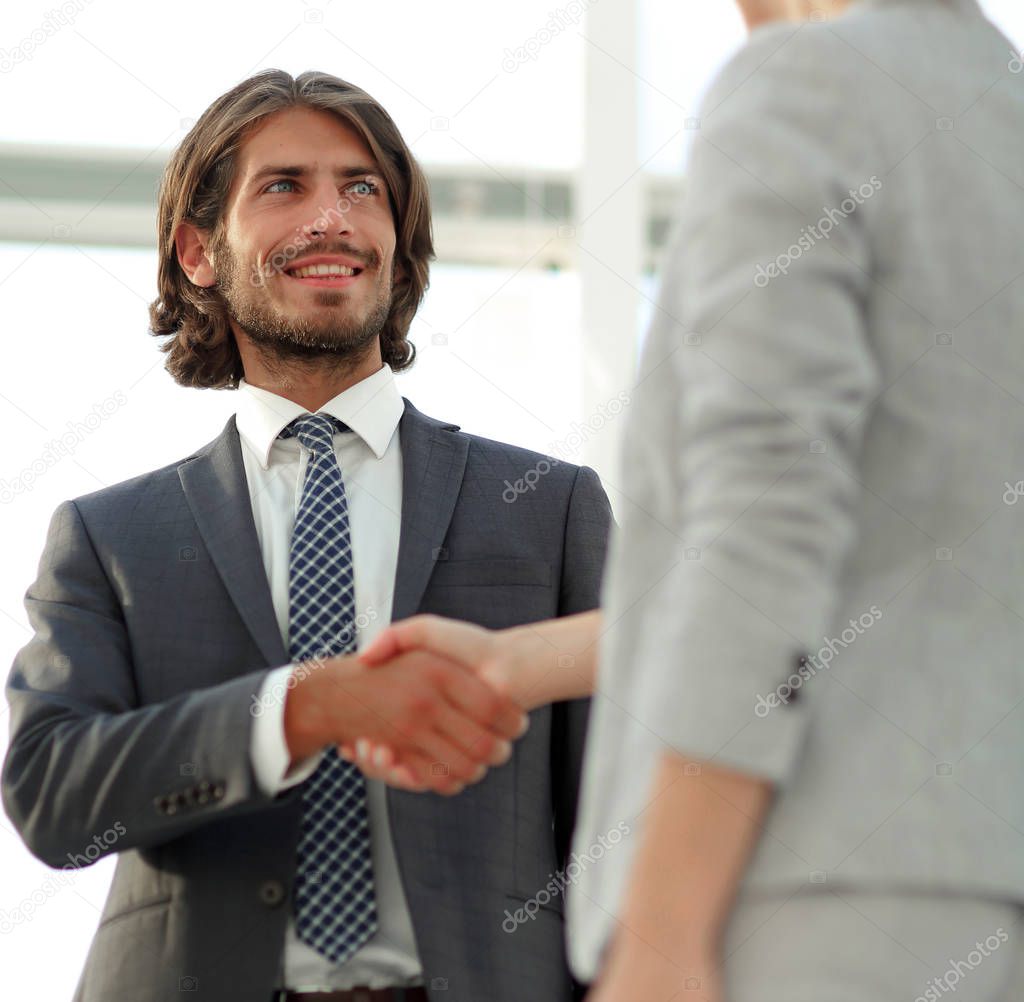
x=433, y=703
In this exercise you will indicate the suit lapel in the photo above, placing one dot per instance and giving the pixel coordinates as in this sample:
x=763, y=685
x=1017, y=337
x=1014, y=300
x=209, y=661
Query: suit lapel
x=433, y=464
x=218, y=494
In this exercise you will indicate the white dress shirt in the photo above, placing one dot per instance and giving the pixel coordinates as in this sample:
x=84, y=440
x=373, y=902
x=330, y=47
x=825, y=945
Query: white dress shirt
x=370, y=458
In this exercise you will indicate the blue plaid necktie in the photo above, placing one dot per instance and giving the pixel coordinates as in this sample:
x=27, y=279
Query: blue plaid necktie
x=335, y=910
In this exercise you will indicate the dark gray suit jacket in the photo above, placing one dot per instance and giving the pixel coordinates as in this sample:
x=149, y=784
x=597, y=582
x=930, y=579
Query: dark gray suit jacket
x=130, y=720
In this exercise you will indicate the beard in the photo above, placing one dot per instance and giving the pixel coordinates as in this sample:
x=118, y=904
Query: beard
x=332, y=331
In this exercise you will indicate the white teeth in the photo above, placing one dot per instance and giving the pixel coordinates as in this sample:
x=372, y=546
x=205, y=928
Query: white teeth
x=322, y=269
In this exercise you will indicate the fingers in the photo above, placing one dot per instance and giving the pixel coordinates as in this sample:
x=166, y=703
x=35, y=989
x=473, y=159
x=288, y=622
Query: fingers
x=433, y=775
x=402, y=778
x=416, y=773
x=377, y=762
x=444, y=755
x=479, y=702
x=383, y=648
x=464, y=643
x=380, y=756
x=479, y=744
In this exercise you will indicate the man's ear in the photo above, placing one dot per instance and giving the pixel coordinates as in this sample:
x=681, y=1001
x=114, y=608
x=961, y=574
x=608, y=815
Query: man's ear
x=190, y=242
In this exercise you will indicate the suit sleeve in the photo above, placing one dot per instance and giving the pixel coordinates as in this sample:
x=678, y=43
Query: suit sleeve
x=586, y=541
x=772, y=266
x=84, y=757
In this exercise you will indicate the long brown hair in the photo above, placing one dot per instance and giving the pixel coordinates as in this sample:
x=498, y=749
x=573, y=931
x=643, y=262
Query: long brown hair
x=200, y=346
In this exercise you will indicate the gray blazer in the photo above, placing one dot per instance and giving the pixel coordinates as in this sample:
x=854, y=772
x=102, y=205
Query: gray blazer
x=154, y=630
x=829, y=428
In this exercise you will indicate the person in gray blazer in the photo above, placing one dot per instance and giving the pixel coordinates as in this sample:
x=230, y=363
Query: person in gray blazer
x=192, y=666
x=806, y=756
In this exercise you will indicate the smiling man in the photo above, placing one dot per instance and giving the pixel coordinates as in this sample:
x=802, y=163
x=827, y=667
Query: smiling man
x=193, y=668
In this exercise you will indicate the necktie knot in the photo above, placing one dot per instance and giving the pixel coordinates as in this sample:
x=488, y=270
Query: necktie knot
x=314, y=431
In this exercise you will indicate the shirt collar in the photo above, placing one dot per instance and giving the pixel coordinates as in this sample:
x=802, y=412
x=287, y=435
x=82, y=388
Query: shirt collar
x=372, y=408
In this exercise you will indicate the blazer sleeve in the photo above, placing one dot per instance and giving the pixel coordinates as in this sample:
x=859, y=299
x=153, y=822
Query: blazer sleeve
x=771, y=266
x=84, y=757
x=588, y=524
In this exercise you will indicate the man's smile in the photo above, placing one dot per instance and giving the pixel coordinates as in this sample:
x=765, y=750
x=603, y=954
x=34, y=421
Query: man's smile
x=328, y=272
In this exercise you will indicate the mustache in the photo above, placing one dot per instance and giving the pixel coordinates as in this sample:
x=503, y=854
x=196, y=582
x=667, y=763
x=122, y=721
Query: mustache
x=368, y=258
x=280, y=262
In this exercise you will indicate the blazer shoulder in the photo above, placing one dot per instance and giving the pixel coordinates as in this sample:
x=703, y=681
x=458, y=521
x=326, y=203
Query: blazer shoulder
x=809, y=87
x=863, y=59
x=807, y=66
x=495, y=453
x=771, y=53
x=482, y=450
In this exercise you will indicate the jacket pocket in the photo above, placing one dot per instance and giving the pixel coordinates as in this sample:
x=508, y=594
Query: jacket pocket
x=501, y=571
x=547, y=898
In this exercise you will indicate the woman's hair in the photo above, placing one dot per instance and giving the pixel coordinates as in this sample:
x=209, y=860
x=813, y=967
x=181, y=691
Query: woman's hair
x=200, y=346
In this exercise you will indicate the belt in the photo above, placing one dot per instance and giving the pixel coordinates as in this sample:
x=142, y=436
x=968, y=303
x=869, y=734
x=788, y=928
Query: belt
x=354, y=995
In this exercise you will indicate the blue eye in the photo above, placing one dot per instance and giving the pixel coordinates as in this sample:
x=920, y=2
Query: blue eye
x=369, y=188
x=364, y=188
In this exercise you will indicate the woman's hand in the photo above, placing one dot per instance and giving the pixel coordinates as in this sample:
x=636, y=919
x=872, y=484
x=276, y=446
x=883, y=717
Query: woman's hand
x=636, y=971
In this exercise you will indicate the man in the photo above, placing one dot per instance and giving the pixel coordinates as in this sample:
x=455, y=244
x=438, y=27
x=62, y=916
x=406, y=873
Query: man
x=192, y=666
x=809, y=699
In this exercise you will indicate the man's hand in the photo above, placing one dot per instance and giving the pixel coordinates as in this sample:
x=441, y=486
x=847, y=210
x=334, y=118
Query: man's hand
x=445, y=723
x=530, y=664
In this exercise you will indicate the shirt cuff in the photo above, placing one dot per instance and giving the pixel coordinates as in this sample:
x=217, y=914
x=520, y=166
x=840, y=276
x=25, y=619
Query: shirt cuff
x=268, y=748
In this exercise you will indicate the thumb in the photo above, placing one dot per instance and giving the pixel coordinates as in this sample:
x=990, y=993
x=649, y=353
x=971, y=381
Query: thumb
x=382, y=648
x=495, y=676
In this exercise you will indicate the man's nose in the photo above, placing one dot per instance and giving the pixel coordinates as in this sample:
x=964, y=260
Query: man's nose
x=330, y=214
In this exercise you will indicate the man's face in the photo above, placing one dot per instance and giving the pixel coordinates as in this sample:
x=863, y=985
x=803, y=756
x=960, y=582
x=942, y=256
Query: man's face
x=331, y=206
